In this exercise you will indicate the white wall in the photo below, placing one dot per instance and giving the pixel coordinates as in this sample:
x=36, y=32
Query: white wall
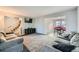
x=40, y=28
x=71, y=18
x=42, y=25
x=78, y=19
x=71, y=21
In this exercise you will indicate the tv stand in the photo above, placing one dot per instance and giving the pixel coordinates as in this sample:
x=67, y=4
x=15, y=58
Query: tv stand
x=30, y=31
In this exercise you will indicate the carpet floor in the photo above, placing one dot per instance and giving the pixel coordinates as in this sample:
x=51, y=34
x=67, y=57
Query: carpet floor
x=35, y=42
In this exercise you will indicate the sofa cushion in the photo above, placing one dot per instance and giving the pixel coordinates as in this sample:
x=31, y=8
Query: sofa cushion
x=10, y=36
x=75, y=40
x=4, y=34
x=64, y=47
x=72, y=34
x=64, y=35
x=2, y=38
x=67, y=36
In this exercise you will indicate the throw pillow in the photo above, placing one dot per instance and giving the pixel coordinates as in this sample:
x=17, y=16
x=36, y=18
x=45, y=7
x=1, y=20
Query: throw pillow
x=2, y=38
x=10, y=36
x=72, y=34
x=64, y=47
x=4, y=34
x=64, y=35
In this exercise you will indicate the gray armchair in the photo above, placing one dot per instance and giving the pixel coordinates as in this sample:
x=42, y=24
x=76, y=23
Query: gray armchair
x=12, y=45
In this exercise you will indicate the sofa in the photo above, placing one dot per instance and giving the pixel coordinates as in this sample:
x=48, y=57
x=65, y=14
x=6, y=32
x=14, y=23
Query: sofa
x=14, y=44
x=68, y=43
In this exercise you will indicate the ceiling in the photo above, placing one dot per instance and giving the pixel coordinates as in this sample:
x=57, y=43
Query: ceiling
x=35, y=11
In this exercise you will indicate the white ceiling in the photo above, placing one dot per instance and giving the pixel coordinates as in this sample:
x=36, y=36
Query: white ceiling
x=35, y=11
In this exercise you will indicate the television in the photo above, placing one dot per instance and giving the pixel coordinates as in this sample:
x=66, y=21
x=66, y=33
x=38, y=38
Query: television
x=28, y=20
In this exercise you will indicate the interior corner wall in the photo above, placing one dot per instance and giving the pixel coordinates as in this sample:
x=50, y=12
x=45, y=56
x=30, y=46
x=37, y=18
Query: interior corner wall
x=71, y=20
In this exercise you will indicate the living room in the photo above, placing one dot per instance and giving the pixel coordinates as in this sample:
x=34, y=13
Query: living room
x=39, y=29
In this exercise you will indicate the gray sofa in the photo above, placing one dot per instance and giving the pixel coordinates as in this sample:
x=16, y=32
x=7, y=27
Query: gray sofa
x=12, y=45
x=71, y=40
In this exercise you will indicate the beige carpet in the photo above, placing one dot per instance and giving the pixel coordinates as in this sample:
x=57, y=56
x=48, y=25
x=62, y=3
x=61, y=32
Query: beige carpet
x=35, y=42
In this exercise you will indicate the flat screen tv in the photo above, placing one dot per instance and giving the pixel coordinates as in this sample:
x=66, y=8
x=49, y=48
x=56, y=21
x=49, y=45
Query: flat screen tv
x=28, y=20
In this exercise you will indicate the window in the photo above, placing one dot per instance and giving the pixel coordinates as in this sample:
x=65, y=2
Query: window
x=63, y=23
x=60, y=23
